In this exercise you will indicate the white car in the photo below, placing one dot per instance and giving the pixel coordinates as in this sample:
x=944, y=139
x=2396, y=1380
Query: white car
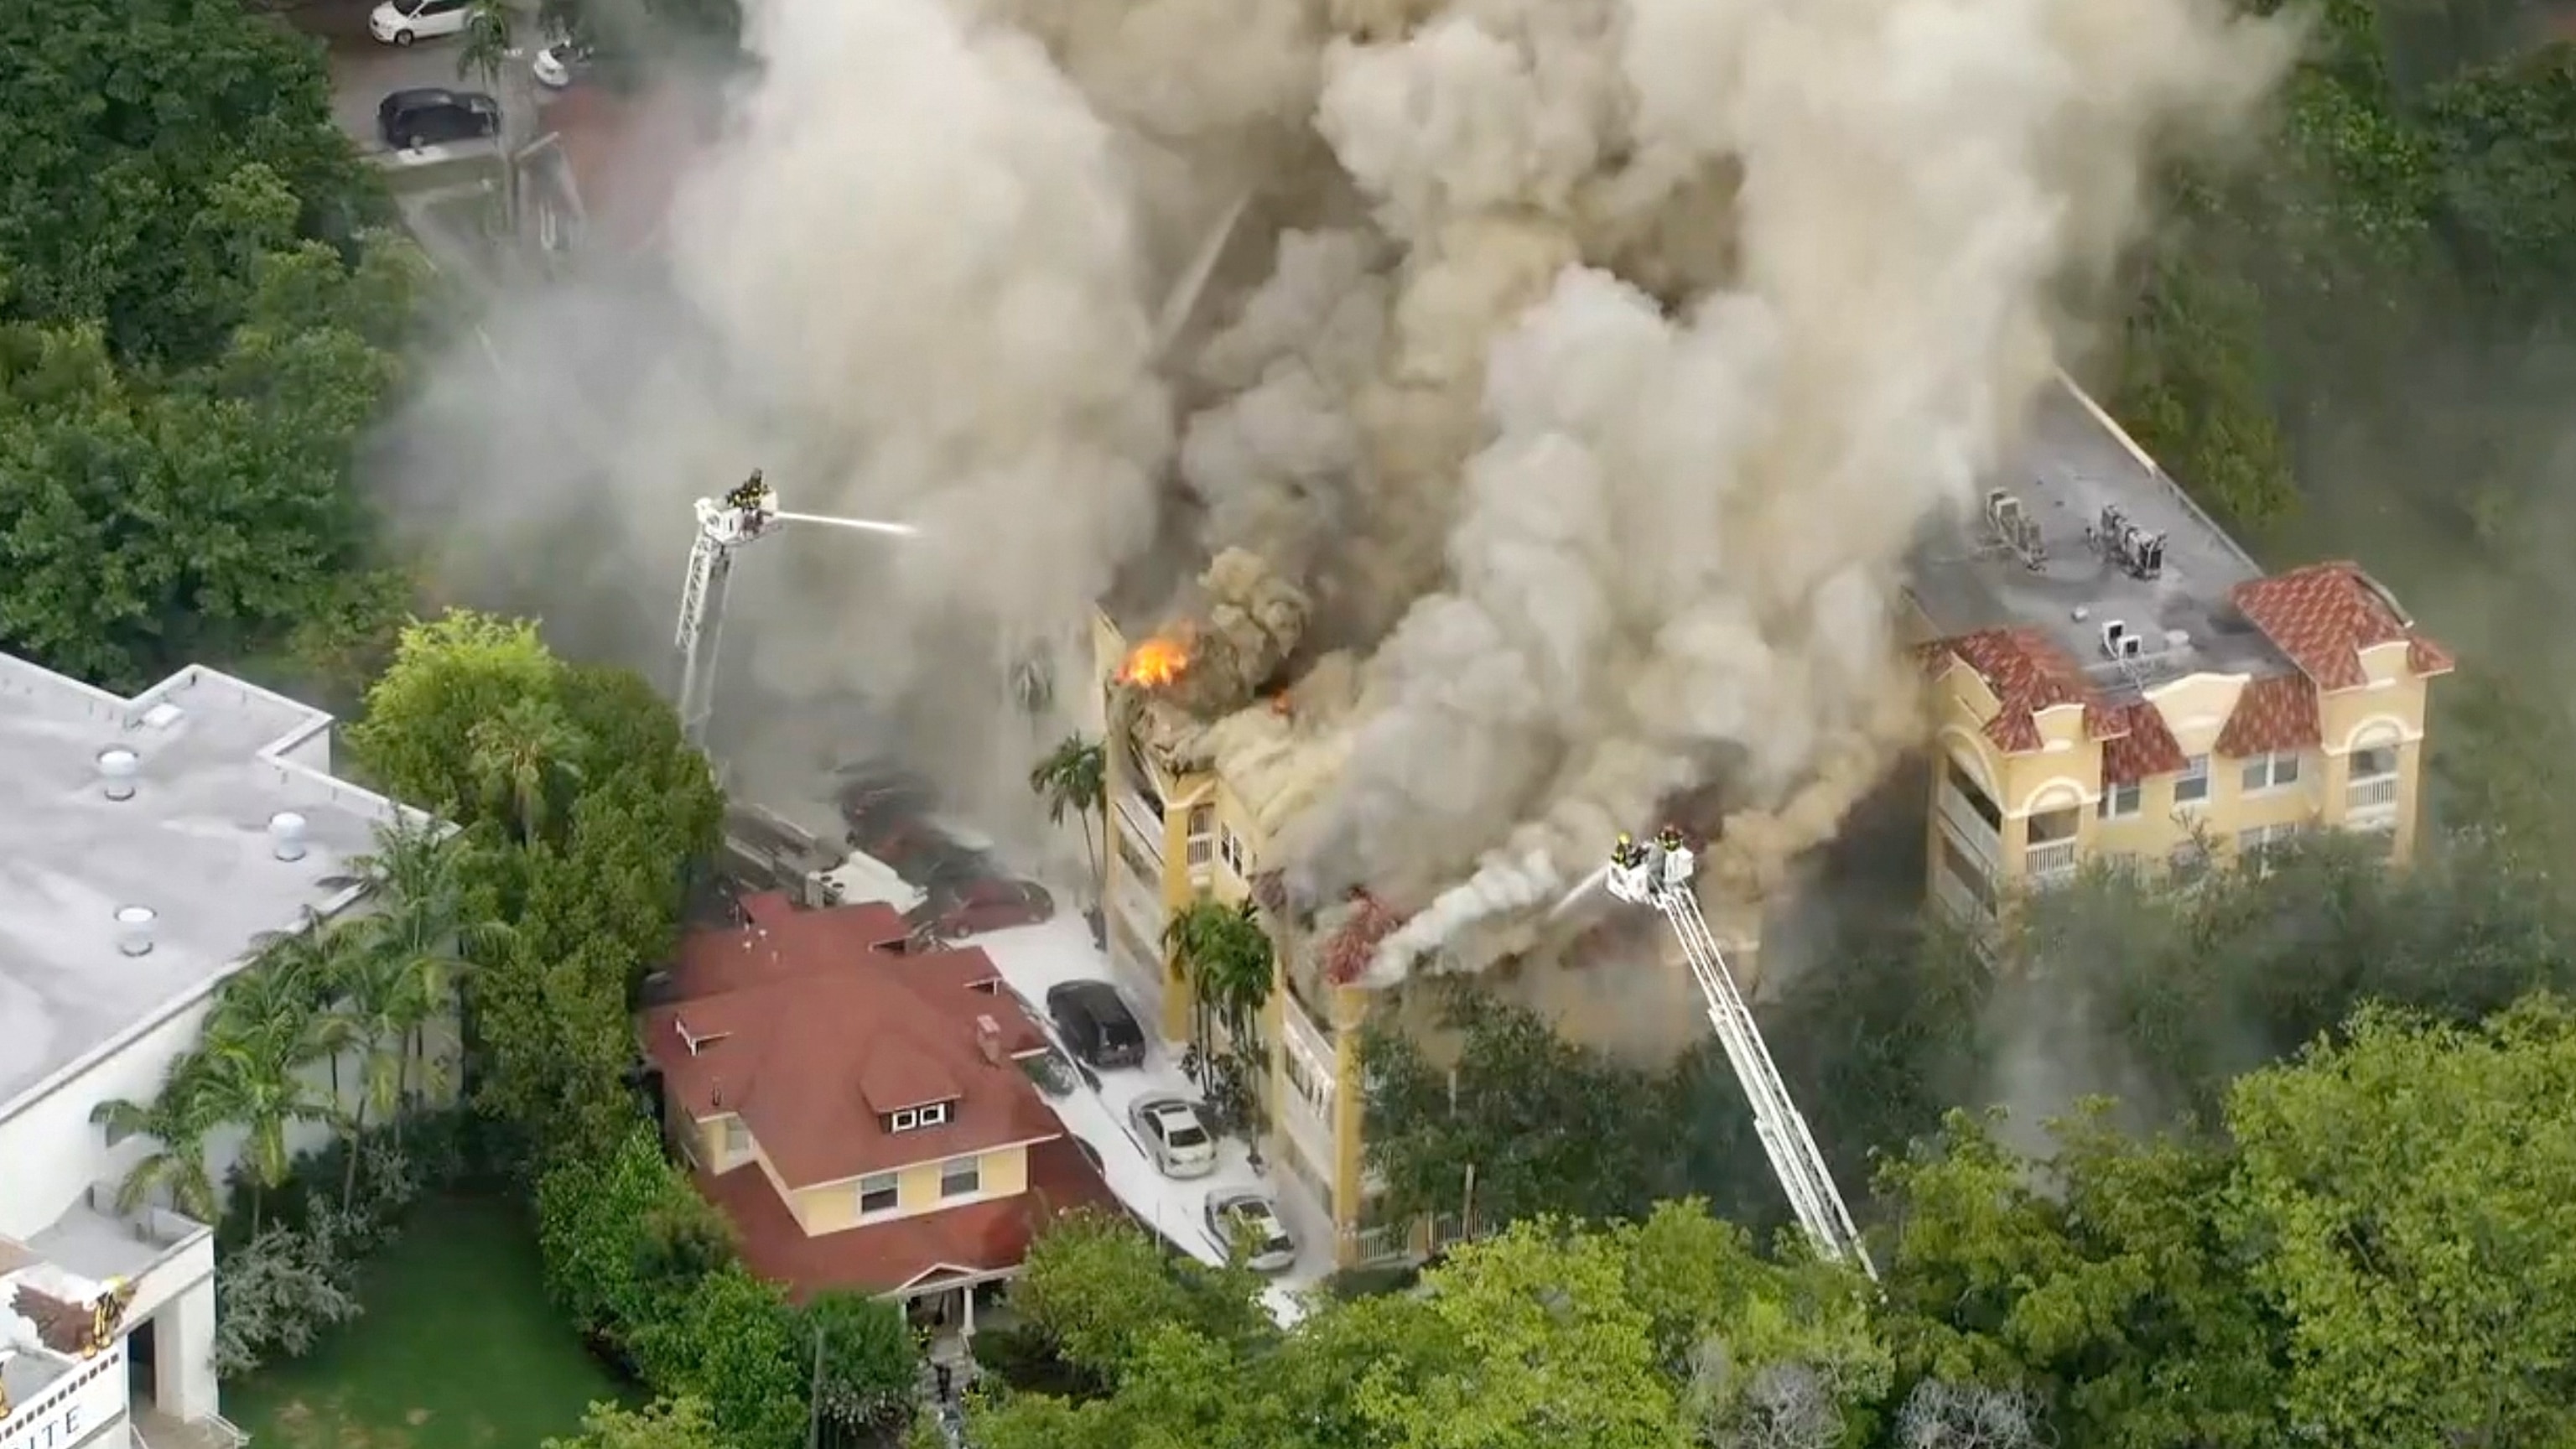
x=400, y=22
x=560, y=64
x=1242, y=1217
x=1175, y=1134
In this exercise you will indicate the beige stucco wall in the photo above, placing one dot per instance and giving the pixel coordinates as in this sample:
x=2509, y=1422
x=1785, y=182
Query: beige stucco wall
x=2067, y=770
x=831, y=1206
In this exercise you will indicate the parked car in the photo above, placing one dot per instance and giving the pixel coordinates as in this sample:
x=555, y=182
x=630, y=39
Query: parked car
x=1242, y=1217
x=400, y=22
x=1175, y=1135
x=434, y=116
x=974, y=907
x=562, y=63
x=1096, y=1024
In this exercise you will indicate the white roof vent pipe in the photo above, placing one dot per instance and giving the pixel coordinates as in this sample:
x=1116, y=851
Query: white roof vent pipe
x=286, y=835
x=134, y=930
x=117, y=770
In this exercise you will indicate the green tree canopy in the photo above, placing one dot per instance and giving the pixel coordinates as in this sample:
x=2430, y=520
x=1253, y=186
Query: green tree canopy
x=663, y=1424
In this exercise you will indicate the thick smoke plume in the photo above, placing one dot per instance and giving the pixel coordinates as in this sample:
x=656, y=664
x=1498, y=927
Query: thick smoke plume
x=1569, y=392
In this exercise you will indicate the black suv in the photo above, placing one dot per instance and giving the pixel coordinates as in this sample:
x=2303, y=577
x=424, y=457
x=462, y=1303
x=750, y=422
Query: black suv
x=434, y=116
x=1096, y=1024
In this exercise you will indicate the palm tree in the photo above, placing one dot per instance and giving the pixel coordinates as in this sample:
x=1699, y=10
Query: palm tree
x=254, y=1078
x=373, y=1016
x=520, y=758
x=313, y=970
x=176, y=1120
x=1074, y=778
x=1226, y=955
x=487, y=41
x=425, y=935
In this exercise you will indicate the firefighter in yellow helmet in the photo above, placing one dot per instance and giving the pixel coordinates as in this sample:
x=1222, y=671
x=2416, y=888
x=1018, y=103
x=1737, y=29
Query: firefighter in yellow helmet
x=1626, y=852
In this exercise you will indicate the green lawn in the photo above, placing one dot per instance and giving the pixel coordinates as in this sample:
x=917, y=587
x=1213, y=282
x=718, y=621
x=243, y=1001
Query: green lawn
x=458, y=1349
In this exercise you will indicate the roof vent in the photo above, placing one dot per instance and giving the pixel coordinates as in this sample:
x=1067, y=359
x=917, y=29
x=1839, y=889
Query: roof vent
x=286, y=835
x=116, y=771
x=134, y=930
x=988, y=1038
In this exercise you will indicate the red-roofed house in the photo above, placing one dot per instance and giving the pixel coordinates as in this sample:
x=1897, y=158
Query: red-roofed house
x=860, y=1113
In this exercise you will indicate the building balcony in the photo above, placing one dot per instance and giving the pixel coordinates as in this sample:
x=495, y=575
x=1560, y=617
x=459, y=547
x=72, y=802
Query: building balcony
x=2050, y=862
x=158, y=1251
x=1140, y=828
x=1981, y=839
x=2376, y=795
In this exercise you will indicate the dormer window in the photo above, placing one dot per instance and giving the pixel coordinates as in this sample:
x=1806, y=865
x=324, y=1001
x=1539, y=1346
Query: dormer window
x=934, y=1114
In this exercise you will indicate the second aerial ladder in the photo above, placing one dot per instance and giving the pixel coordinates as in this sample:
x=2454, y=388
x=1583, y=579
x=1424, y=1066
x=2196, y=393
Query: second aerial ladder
x=1659, y=875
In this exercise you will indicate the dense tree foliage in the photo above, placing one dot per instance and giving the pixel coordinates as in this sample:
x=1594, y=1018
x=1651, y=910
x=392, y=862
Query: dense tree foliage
x=598, y=810
x=2374, y=1250
x=2367, y=295
x=197, y=320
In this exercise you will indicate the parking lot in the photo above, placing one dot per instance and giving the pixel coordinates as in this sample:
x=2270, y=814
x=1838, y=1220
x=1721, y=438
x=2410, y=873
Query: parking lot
x=364, y=70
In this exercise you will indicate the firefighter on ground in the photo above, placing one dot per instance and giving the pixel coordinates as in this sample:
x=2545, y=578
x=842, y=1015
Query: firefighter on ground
x=1627, y=853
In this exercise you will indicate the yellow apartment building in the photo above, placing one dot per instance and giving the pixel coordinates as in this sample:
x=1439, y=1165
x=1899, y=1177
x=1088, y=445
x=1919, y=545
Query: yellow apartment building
x=858, y=1112
x=2114, y=679
x=1178, y=832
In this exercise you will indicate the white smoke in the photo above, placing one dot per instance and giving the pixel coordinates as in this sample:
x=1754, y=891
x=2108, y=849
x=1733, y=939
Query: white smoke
x=920, y=246
x=1588, y=363
x=1681, y=546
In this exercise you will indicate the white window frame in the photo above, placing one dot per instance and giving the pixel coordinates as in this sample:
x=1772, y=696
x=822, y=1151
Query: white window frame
x=2254, y=845
x=1229, y=848
x=2122, y=802
x=909, y=1119
x=969, y=1170
x=874, y=1183
x=2279, y=770
x=1200, y=825
x=2194, y=771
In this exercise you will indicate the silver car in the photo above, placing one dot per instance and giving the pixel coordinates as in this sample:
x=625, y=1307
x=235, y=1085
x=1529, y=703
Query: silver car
x=1242, y=1217
x=1175, y=1134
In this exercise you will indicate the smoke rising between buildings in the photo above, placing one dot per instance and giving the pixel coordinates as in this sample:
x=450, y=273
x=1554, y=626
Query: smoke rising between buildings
x=1568, y=396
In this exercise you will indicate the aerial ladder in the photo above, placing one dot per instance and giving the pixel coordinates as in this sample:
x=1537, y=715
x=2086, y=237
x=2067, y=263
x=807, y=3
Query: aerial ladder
x=746, y=514
x=1659, y=875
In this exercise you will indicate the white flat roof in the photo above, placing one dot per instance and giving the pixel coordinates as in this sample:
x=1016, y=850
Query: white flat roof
x=217, y=759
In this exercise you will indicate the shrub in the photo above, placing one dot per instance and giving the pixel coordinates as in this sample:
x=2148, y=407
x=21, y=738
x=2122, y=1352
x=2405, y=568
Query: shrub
x=279, y=1292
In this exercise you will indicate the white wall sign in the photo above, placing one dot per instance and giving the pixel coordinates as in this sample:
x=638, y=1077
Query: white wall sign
x=63, y=1414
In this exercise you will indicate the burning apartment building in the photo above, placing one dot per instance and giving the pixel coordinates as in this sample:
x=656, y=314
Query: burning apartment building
x=2093, y=645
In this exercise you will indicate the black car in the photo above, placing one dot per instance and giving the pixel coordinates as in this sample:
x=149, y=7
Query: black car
x=1095, y=1022
x=435, y=115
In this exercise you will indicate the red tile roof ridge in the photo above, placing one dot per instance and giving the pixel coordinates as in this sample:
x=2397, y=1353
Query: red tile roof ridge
x=1353, y=944
x=2322, y=615
x=2028, y=672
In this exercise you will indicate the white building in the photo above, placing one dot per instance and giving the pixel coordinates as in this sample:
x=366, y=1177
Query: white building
x=145, y=846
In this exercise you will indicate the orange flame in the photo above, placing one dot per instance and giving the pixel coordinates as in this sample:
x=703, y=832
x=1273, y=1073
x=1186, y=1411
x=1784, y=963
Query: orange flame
x=1155, y=663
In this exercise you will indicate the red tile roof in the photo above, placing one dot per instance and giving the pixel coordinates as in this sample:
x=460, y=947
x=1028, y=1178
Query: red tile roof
x=2145, y=747
x=1348, y=951
x=811, y=1033
x=2028, y=672
x=2278, y=712
x=2323, y=615
x=979, y=1237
